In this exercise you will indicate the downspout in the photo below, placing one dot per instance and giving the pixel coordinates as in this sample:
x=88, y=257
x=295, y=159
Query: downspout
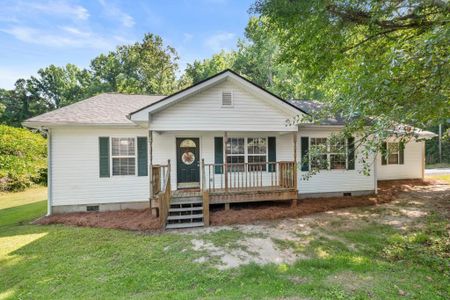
x=49, y=172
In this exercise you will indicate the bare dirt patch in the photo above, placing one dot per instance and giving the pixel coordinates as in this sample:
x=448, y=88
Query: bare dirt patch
x=130, y=219
x=288, y=239
x=387, y=190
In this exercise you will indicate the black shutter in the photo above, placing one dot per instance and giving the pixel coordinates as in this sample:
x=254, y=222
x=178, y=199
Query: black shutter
x=304, y=152
x=218, y=154
x=351, y=153
x=142, y=160
x=384, y=153
x=401, y=157
x=272, y=145
x=103, y=143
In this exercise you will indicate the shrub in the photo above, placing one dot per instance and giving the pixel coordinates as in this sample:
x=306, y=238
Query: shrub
x=23, y=158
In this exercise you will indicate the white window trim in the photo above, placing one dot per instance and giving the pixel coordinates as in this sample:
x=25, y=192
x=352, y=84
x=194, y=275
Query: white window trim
x=122, y=156
x=232, y=98
x=329, y=154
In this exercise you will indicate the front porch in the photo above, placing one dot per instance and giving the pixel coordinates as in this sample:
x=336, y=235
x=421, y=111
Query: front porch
x=218, y=183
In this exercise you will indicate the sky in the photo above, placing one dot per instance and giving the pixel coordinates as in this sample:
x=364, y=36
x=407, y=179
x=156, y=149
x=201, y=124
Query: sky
x=35, y=34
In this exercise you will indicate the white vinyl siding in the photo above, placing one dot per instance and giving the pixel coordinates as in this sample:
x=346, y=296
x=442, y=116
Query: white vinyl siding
x=411, y=167
x=75, y=168
x=204, y=112
x=333, y=180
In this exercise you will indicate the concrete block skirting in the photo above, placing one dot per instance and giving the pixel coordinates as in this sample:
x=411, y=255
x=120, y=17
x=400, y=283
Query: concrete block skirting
x=58, y=209
x=335, y=194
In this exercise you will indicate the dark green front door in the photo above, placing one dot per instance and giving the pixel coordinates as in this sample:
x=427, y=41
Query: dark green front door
x=188, y=162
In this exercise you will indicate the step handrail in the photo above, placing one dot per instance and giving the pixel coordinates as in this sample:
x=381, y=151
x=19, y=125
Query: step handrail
x=164, y=198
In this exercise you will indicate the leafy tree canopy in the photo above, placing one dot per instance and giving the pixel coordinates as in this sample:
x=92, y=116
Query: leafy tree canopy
x=380, y=64
x=148, y=67
x=388, y=59
x=22, y=158
x=257, y=58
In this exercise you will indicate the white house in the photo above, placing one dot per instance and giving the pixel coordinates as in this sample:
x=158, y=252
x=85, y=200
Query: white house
x=223, y=140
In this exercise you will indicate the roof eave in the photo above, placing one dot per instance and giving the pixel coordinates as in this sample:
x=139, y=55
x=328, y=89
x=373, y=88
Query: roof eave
x=43, y=124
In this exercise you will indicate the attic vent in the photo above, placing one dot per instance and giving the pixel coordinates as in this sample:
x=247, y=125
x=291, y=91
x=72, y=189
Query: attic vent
x=227, y=99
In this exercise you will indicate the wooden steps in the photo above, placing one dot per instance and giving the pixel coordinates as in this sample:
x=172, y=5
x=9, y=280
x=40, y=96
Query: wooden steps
x=185, y=212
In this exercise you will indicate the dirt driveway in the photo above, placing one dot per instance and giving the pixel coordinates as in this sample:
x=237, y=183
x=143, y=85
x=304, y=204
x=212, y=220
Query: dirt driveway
x=286, y=241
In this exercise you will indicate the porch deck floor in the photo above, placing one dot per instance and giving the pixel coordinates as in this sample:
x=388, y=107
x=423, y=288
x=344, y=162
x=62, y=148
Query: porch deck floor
x=263, y=189
x=196, y=193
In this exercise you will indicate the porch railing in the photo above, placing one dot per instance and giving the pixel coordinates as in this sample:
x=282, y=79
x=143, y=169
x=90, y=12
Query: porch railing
x=249, y=176
x=159, y=173
x=162, y=190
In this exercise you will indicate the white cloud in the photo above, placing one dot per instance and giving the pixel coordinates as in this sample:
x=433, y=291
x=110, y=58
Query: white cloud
x=67, y=36
x=220, y=41
x=59, y=8
x=115, y=12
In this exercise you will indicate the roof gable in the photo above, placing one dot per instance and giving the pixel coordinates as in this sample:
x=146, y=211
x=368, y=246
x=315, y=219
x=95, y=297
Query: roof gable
x=204, y=111
x=142, y=113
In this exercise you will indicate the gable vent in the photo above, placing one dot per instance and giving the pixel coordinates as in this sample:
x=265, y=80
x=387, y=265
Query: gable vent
x=227, y=99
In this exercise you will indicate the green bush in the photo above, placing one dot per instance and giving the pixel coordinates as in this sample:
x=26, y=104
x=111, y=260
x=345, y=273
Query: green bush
x=23, y=158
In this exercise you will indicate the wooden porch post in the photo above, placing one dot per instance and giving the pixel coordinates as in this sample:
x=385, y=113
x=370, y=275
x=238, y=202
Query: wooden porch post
x=294, y=171
x=150, y=171
x=225, y=164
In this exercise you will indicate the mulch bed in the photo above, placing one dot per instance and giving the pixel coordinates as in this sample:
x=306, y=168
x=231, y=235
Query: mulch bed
x=142, y=220
x=129, y=219
x=249, y=213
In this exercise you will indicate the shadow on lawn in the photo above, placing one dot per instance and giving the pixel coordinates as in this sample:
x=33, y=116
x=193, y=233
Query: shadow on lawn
x=22, y=214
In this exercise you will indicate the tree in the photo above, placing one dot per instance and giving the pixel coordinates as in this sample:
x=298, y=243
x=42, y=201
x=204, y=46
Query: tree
x=60, y=86
x=22, y=158
x=19, y=104
x=202, y=69
x=258, y=58
x=386, y=62
x=148, y=67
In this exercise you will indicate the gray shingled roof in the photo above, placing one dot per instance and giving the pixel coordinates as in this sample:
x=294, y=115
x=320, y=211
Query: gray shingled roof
x=103, y=109
x=313, y=107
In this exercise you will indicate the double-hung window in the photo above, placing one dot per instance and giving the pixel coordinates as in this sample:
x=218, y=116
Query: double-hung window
x=257, y=154
x=338, y=157
x=319, y=160
x=328, y=154
x=123, y=156
x=247, y=150
x=393, y=150
x=236, y=154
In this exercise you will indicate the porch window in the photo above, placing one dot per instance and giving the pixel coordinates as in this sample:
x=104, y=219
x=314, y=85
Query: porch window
x=236, y=154
x=123, y=154
x=338, y=158
x=319, y=160
x=257, y=154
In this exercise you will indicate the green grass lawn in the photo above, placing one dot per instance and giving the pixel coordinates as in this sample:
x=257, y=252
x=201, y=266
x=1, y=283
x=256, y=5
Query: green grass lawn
x=441, y=177
x=60, y=262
